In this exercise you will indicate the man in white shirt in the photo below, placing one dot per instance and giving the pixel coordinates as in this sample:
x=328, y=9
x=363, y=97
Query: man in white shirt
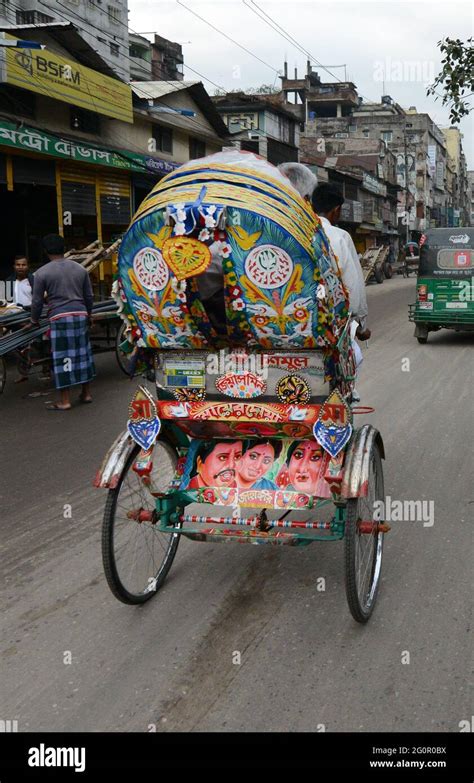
x=22, y=280
x=327, y=202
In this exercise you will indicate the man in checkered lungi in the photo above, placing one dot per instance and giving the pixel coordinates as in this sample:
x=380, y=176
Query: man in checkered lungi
x=69, y=296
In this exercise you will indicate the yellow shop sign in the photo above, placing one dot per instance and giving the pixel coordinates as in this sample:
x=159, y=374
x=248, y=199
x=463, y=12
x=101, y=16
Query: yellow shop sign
x=50, y=74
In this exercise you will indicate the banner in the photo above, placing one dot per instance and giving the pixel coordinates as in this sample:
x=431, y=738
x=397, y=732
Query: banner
x=32, y=140
x=47, y=73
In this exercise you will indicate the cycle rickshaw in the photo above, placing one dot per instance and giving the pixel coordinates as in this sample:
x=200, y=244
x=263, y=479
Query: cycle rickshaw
x=248, y=435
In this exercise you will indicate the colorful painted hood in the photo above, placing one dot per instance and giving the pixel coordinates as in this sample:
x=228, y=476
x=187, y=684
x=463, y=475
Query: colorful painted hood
x=280, y=280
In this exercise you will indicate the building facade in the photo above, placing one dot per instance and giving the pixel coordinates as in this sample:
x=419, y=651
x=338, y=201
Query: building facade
x=430, y=165
x=260, y=124
x=160, y=60
x=103, y=24
x=82, y=161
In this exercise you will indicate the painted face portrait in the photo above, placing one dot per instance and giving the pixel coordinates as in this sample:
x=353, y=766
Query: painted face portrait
x=217, y=469
x=304, y=466
x=253, y=465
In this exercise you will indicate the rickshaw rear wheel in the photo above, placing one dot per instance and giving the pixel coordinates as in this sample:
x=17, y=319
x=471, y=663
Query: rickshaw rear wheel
x=363, y=550
x=123, y=359
x=136, y=555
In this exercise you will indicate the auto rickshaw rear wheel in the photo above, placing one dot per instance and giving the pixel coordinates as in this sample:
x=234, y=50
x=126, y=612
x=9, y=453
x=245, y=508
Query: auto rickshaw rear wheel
x=421, y=333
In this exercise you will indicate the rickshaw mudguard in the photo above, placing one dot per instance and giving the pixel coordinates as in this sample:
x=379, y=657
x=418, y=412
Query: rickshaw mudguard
x=356, y=469
x=108, y=475
x=114, y=461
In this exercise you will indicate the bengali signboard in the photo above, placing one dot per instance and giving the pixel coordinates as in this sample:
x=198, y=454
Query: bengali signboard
x=31, y=140
x=373, y=184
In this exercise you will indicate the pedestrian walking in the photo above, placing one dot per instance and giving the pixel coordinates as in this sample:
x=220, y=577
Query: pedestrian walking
x=69, y=298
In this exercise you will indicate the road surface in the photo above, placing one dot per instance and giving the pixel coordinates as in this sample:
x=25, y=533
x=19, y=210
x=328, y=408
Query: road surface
x=75, y=659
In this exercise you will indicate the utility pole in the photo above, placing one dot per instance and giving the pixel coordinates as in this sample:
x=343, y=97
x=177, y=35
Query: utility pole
x=407, y=212
x=406, y=125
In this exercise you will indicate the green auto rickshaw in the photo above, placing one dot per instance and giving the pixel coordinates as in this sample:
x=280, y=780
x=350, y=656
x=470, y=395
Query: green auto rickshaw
x=445, y=283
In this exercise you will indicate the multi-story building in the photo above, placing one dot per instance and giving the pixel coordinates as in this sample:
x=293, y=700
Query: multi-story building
x=103, y=24
x=431, y=177
x=470, y=179
x=461, y=195
x=160, y=60
x=79, y=149
x=261, y=124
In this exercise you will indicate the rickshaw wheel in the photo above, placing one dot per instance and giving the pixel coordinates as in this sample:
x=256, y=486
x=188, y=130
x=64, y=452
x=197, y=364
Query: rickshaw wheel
x=122, y=358
x=363, y=551
x=136, y=555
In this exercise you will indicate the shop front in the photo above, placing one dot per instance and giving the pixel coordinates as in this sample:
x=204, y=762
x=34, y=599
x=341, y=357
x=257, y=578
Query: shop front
x=49, y=183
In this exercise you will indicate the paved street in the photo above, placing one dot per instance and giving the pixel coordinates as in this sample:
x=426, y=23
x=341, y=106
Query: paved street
x=304, y=661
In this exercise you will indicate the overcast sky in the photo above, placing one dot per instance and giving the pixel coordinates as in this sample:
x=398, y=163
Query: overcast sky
x=374, y=38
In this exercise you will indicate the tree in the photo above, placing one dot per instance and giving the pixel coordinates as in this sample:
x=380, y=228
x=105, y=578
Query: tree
x=456, y=77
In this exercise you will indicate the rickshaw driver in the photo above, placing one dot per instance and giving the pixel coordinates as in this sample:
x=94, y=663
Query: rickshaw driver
x=326, y=202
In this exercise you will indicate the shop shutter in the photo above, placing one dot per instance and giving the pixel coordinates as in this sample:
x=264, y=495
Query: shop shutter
x=114, y=190
x=78, y=198
x=30, y=171
x=78, y=190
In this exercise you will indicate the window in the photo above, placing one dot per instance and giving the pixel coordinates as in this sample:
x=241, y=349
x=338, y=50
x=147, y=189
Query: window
x=366, y=133
x=163, y=138
x=197, y=148
x=114, y=14
x=140, y=52
x=21, y=103
x=85, y=121
x=114, y=49
x=386, y=136
x=32, y=17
